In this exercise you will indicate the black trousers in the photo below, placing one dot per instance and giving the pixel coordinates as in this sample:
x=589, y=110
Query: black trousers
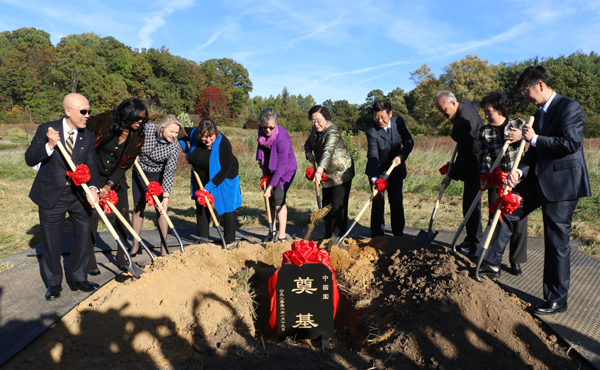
x=52, y=223
x=557, y=225
x=395, y=198
x=203, y=218
x=518, y=240
x=471, y=189
x=123, y=207
x=336, y=221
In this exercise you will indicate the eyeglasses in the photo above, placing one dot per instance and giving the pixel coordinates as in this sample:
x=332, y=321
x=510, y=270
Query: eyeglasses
x=83, y=111
x=143, y=119
x=525, y=90
x=316, y=120
x=269, y=128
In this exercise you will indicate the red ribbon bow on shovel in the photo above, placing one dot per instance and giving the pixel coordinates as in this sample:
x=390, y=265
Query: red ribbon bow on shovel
x=445, y=168
x=382, y=185
x=510, y=202
x=200, y=197
x=81, y=174
x=154, y=188
x=494, y=179
x=113, y=198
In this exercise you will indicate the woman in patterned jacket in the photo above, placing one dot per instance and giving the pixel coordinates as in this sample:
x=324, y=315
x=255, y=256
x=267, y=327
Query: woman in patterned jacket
x=158, y=159
x=326, y=146
x=497, y=107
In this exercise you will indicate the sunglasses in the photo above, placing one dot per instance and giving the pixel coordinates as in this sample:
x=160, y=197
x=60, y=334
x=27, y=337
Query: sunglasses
x=84, y=111
x=143, y=119
x=269, y=128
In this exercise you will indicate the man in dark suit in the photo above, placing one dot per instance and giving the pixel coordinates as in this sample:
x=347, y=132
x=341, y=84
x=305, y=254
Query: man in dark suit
x=388, y=142
x=555, y=177
x=466, y=124
x=55, y=194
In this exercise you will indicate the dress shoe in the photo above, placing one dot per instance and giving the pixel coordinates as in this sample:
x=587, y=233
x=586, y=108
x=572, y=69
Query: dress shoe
x=94, y=272
x=464, y=247
x=549, y=308
x=515, y=269
x=490, y=270
x=472, y=252
x=84, y=286
x=53, y=292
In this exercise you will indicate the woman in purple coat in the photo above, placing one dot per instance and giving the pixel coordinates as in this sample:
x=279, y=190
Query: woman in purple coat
x=276, y=158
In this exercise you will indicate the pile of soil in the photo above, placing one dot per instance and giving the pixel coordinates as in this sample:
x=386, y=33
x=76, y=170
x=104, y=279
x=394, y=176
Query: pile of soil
x=402, y=305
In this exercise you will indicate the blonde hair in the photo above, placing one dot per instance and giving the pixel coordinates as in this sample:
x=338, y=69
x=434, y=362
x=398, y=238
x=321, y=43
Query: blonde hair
x=168, y=120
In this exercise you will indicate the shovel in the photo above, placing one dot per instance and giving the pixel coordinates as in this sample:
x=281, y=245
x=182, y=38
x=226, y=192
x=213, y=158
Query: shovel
x=212, y=213
x=133, y=233
x=269, y=237
x=477, y=198
x=132, y=268
x=317, y=191
x=159, y=206
x=364, y=208
x=426, y=237
x=492, y=226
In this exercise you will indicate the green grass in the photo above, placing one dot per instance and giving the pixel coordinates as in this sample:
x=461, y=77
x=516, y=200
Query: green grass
x=19, y=224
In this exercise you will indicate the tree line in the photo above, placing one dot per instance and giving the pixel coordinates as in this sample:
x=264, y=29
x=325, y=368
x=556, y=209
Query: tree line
x=35, y=75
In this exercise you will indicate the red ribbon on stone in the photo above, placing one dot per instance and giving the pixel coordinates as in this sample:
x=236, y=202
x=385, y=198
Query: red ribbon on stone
x=494, y=179
x=382, y=186
x=302, y=252
x=508, y=203
x=264, y=182
x=310, y=174
x=112, y=198
x=200, y=197
x=81, y=174
x=154, y=188
x=445, y=168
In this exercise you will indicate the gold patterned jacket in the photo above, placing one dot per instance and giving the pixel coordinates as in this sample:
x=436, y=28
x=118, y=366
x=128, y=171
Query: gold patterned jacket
x=332, y=155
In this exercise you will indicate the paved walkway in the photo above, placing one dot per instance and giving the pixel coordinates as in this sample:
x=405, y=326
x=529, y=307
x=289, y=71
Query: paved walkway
x=25, y=314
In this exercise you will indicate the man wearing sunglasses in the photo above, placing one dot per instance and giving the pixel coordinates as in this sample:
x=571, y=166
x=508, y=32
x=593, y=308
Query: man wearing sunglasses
x=55, y=194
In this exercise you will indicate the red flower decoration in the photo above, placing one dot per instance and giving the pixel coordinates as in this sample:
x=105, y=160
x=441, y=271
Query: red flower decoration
x=310, y=174
x=445, y=168
x=154, y=188
x=494, y=179
x=264, y=182
x=508, y=203
x=382, y=185
x=201, y=196
x=81, y=174
x=112, y=198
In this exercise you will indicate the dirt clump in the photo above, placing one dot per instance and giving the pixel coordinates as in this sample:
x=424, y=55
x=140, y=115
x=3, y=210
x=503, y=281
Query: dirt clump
x=402, y=305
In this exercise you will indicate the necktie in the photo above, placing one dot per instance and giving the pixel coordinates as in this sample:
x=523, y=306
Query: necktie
x=542, y=113
x=70, y=142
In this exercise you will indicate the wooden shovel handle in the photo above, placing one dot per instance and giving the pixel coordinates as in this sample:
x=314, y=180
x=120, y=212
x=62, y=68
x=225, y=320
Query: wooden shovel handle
x=210, y=209
x=156, y=200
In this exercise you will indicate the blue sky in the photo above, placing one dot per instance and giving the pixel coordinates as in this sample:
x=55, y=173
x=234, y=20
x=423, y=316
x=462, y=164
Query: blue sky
x=330, y=49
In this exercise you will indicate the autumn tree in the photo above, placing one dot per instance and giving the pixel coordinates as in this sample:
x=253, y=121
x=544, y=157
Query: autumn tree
x=213, y=104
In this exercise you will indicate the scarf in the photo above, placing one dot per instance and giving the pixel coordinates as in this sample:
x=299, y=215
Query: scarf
x=266, y=142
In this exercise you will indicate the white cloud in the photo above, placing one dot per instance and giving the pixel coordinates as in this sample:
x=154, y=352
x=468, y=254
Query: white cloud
x=157, y=20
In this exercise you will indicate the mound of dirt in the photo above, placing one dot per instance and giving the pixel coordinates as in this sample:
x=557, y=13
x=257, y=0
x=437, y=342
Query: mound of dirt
x=403, y=305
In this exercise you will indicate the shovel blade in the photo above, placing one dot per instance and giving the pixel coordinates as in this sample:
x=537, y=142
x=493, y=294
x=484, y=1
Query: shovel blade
x=426, y=237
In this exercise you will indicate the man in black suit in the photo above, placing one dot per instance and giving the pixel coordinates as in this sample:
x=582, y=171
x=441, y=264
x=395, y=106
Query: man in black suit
x=466, y=124
x=555, y=177
x=55, y=194
x=388, y=142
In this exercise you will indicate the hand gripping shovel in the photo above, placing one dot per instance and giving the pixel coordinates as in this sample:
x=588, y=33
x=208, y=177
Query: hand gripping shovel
x=159, y=206
x=364, y=208
x=426, y=237
x=476, y=200
x=212, y=213
x=269, y=237
x=492, y=226
x=132, y=268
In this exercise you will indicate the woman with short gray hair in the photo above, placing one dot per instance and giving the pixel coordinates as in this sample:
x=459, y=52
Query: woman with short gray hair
x=158, y=159
x=276, y=158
